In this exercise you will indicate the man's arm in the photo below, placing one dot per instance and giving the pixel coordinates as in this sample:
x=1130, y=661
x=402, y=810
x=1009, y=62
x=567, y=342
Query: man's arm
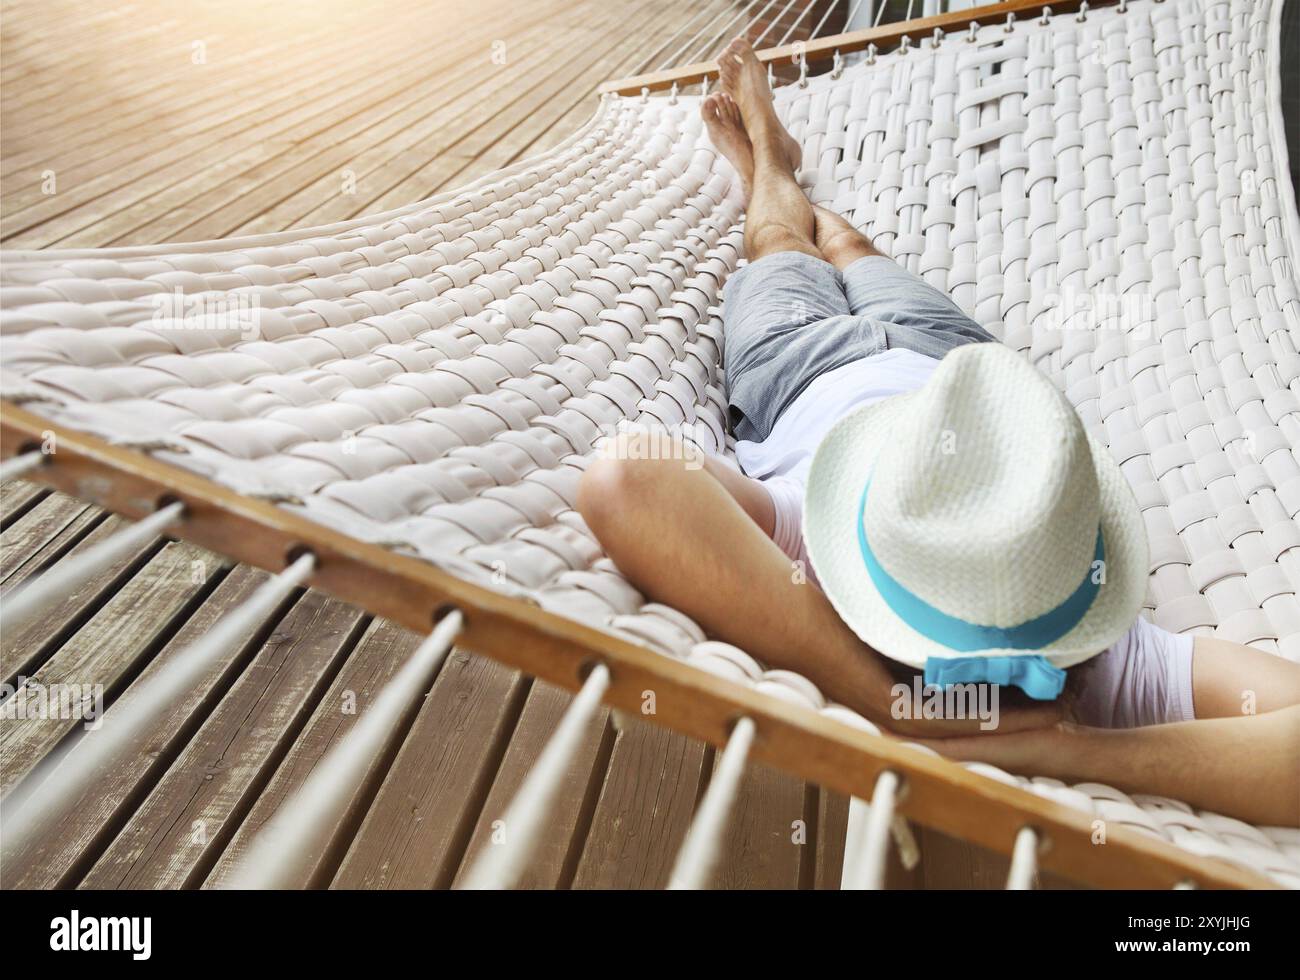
x=1246, y=766
x=1230, y=679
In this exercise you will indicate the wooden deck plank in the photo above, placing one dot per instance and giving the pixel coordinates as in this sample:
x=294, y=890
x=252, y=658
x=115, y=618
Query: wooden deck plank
x=577, y=105
x=174, y=837
x=58, y=515
x=553, y=860
x=416, y=174
x=507, y=122
x=767, y=833
x=340, y=126
x=82, y=133
x=99, y=198
x=832, y=823
x=17, y=497
x=197, y=106
x=108, y=650
x=158, y=157
x=74, y=39
x=27, y=645
x=416, y=832
x=85, y=126
x=469, y=98
x=652, y=783
x=381, y=653
x=947, y=862
x=218, y=125
x=155, y=49
x=70, y=841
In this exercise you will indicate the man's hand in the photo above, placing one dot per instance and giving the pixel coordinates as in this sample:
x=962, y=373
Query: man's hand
x=1015, y=719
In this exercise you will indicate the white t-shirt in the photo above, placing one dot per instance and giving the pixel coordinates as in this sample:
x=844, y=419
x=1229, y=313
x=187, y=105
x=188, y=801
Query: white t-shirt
x=782, y=460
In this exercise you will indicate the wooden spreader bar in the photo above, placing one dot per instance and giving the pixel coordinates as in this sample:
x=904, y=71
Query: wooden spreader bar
x=823, y=48
x=406, y=590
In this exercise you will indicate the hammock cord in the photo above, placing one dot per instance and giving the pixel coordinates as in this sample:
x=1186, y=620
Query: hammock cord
x=1024, y=860
x=645, y=63
x=699, y=852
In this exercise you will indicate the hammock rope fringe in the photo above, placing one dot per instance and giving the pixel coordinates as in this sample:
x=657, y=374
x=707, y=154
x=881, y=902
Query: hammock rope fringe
x=397, y=409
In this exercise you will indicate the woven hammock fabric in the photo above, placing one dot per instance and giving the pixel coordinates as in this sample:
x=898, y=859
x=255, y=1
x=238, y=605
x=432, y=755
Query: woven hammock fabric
x=1105, y=194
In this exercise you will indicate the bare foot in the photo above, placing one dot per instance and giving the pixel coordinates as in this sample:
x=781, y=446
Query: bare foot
x=744, y=80
x=727, y=131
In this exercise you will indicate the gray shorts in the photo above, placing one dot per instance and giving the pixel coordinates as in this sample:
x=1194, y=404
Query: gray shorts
x=789, y=318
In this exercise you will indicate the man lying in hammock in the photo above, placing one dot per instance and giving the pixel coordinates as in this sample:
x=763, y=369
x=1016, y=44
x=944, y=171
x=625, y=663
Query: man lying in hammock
x=959, y=520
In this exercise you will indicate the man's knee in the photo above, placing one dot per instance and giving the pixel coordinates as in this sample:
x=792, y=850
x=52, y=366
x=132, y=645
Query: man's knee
x=842, y=244
x=603, y=490
x=624, y=476
x=772, y=237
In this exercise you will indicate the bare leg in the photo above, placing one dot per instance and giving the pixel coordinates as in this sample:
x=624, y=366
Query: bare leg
x=839, y=242
x=681, y=538
x=780, y=217
x=697, y=539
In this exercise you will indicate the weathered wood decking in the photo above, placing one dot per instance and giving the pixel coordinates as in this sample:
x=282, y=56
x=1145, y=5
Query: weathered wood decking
x=163, y=122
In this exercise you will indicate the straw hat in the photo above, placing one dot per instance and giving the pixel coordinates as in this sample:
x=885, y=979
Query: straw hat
x=974, y=529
